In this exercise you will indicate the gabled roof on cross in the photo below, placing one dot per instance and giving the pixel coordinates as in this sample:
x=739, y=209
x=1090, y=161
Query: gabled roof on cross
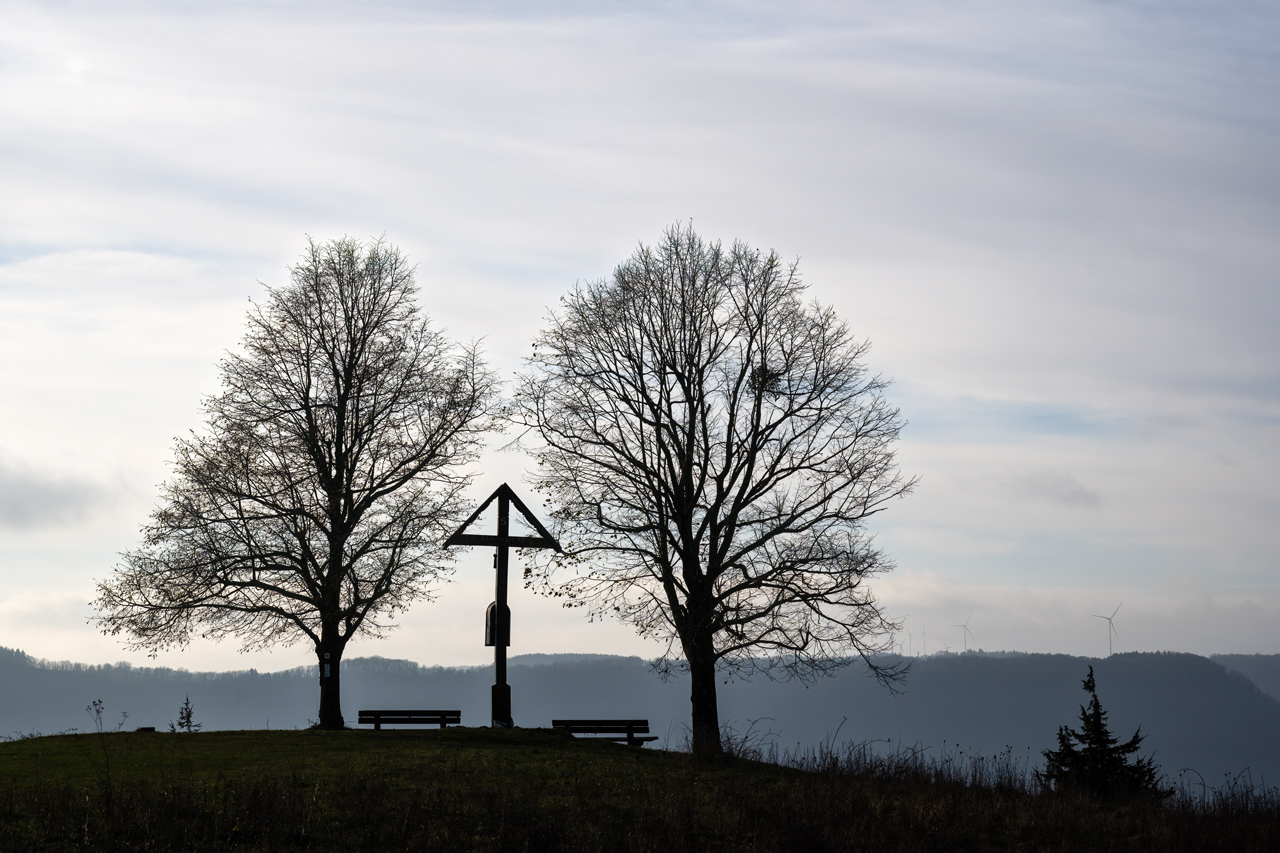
x=542, y=540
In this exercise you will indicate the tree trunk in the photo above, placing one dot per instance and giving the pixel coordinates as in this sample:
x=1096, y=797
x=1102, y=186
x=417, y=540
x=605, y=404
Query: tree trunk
x=706, y=710
x=329, y=653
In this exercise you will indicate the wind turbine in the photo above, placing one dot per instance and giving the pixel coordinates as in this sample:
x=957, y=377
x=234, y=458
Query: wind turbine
x=967, y=633
x=891, y=636
x=925, y=638
x=1111, y=629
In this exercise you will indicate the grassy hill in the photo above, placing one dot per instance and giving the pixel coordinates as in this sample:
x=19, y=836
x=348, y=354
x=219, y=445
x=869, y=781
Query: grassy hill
x=479, y=789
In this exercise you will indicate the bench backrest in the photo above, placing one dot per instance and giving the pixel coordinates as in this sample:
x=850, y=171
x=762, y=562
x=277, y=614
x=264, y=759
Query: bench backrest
x=391, y=718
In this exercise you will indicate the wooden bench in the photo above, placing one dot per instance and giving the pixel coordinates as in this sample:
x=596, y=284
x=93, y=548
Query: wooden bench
x=410, y=718
x=618, y=730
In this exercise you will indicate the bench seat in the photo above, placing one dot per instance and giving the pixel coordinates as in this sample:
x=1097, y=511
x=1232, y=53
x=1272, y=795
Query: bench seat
x=629, y=731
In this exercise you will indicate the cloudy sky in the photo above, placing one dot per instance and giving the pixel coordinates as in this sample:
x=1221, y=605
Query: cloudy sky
x=1056, y=221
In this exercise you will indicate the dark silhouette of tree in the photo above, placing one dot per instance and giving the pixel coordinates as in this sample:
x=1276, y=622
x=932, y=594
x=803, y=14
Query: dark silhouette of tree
x=1093, y=761
x=710, y=447
x=186, y=718
x=313, y=505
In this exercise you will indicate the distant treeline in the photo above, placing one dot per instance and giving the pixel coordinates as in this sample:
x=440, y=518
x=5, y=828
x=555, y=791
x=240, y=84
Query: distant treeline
x=1196, y=712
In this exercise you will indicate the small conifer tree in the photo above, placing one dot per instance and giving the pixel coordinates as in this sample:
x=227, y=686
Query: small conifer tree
x=186, y=720
x=1093, y=761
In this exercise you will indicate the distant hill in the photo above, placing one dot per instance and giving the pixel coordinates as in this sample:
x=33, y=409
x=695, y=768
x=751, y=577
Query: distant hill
x=1193, y=711
x=1262, y=670
x=1196, y=712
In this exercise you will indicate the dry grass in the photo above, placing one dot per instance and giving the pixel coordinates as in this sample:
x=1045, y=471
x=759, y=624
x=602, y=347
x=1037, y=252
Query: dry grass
x=476, y=789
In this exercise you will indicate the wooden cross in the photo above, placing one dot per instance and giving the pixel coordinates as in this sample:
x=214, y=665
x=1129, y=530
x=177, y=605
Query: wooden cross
x=498, y=617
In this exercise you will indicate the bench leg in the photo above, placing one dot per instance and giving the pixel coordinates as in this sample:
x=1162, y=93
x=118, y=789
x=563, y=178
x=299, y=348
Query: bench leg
x=377, y=725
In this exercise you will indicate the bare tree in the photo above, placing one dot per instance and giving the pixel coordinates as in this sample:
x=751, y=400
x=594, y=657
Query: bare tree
x=313, y=505
x=711, y=447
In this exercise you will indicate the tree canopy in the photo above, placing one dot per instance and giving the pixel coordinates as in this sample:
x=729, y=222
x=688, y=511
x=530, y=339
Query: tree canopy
x=312, y=506
x=711, y=446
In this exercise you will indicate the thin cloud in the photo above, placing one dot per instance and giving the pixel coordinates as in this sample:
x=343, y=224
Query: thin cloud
x=1058, y=487
x=33, y=499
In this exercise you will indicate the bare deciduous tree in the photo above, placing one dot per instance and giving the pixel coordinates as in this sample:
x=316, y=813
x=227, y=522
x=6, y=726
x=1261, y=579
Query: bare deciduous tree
x=711, y=447
x=313, y=505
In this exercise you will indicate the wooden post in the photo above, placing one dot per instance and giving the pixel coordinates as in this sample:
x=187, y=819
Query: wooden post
x=501, y=701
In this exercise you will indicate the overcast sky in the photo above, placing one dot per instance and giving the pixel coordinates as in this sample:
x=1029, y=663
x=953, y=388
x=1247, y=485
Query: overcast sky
x=1057, y=223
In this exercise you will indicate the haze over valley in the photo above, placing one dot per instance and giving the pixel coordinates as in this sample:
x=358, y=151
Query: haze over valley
x=1207, y=714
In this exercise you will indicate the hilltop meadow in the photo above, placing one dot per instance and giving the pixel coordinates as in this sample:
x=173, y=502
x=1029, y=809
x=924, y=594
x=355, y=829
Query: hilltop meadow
x=480, y=789
x=106, y=787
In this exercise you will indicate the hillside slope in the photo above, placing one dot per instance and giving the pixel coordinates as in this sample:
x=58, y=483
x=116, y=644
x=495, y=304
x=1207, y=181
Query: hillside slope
x=1262, y=670
x=535, y=790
